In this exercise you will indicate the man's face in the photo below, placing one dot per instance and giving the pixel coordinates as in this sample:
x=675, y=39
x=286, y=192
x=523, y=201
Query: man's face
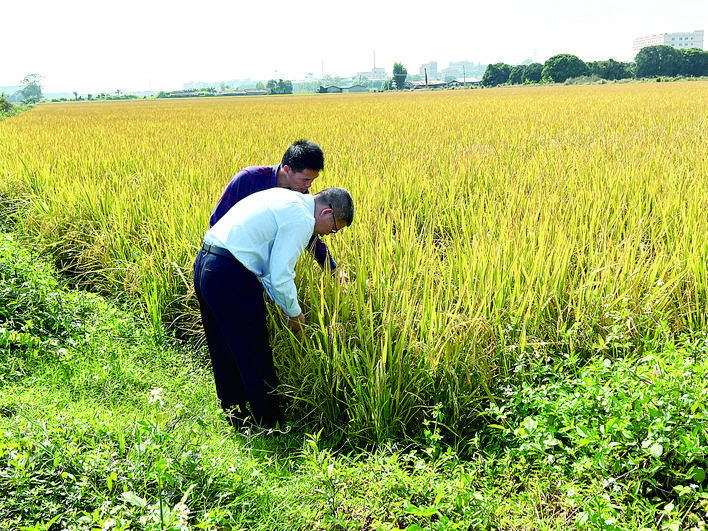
x=300, y=181
x=326, y=222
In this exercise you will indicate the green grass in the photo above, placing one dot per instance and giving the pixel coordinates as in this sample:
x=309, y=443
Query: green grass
x=86, y=441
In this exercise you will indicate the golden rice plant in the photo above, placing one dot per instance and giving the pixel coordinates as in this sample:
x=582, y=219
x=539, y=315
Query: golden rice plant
x=493, y=227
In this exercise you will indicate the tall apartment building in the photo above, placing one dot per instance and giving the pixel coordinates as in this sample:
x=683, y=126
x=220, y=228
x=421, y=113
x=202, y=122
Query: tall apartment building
x=680, y=41
x=431, y=68
x=466, y=69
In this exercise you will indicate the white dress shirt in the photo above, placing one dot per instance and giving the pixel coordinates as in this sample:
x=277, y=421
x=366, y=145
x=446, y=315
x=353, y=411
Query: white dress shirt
x=267, y=232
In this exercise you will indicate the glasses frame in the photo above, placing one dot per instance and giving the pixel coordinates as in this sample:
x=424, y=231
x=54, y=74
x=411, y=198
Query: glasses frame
x=334, y=220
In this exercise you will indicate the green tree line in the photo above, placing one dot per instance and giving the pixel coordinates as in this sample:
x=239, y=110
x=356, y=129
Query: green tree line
x=650, y=61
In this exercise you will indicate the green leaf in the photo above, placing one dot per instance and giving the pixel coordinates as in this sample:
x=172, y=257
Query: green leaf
x=134, y=499
x=581, y=519
x=656, y=450
x=584, y=434
x=426, y=512
x=530, y=424
x=699, y=475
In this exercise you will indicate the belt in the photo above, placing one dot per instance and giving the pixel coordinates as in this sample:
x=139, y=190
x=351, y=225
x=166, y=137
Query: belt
x=219, y=251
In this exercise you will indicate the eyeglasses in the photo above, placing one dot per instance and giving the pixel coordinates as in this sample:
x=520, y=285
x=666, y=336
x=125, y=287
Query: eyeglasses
x=335, y=229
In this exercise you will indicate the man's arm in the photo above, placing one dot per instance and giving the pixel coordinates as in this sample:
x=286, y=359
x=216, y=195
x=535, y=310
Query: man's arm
x=318, y=248
x=288, y=245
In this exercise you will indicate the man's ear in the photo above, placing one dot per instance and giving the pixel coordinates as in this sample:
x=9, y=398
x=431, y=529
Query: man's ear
x=324, y=211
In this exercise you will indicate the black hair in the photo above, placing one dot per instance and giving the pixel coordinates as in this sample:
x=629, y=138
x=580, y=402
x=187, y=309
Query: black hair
x=304, y=155
x=341, y=202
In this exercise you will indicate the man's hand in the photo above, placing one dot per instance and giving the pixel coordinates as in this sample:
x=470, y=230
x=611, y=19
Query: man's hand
x=341, y=275
x=296, y=323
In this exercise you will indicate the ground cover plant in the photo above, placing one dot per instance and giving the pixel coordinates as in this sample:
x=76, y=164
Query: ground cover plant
x=105, y=424
x=494, y=227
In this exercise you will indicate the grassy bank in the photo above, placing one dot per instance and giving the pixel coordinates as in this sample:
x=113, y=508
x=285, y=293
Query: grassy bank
x=105, y=424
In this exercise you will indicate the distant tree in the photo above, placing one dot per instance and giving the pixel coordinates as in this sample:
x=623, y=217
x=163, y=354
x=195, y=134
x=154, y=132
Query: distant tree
x=328, y=81
x=5, y=106
x=32, y=88
x=387, y=85
x=694, y=62
x=516, y=76
x=533, y=73
x=399, y=75
x=308, y=86
x=563, y=66
x=279, y=87
x=659, y=60
x=611, y=69
x=496, y=74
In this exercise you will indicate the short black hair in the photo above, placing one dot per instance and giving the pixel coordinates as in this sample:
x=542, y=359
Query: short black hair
x=341, y=202
x=304, y=155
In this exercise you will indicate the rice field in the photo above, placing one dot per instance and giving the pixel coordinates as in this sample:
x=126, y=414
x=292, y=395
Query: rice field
x=493, y=228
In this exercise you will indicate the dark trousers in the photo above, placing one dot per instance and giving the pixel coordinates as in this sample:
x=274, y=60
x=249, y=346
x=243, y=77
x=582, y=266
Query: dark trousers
x=234, y=319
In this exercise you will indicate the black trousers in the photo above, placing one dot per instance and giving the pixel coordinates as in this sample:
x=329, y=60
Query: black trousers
x=234, y=318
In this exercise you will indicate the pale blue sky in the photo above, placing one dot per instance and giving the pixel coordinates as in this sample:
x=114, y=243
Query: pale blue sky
x=94, y=46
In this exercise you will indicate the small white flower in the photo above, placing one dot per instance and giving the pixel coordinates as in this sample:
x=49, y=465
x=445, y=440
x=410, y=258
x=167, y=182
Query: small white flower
x=156, y=396
x=181, y=508
x=108, y=524
x=117, y=509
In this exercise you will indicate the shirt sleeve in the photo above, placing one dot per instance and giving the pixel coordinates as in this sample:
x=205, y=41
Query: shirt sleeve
x=289, y=243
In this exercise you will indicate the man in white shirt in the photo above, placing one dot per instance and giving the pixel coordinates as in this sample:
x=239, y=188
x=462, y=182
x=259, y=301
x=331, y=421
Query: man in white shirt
x=256, y=245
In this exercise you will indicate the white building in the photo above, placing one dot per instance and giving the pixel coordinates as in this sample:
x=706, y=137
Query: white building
x=461, y=69
x=376, y=74
x=680, y=41
x=431, y=69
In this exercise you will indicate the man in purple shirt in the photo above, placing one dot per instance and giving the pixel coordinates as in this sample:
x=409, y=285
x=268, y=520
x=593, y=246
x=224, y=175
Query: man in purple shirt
x=301, y=164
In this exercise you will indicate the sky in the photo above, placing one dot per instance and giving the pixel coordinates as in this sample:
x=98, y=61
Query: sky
x=140, y=45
